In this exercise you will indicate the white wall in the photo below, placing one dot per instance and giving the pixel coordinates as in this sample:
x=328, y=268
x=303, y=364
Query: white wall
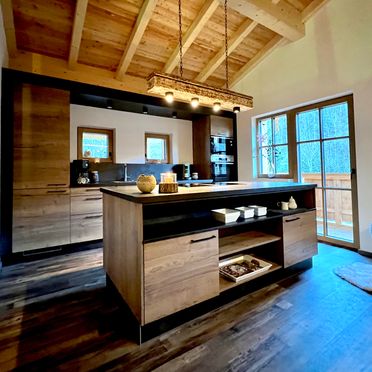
x=130, y=131
x=334, y=57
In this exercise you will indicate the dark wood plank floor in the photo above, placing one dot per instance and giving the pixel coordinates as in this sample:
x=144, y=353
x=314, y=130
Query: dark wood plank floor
x=55, y=314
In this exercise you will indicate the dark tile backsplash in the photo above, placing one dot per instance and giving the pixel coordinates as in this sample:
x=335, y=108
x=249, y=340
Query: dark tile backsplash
x=115, y=172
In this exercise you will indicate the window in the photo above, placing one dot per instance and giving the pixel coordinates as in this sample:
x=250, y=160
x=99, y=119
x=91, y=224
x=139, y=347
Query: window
x=94, y=143
x=272, y=146
x=157, y=148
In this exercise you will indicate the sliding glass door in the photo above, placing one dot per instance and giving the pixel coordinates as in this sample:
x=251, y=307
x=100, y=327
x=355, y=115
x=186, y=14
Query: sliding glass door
x=326, y=156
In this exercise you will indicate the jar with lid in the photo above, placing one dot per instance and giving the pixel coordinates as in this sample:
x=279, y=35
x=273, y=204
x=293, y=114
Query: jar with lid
x=94, y=176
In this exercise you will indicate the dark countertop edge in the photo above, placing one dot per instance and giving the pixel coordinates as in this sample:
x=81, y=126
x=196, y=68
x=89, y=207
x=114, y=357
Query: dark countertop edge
x=208, y=194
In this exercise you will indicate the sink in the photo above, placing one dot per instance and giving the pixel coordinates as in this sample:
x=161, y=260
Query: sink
x=196, y=184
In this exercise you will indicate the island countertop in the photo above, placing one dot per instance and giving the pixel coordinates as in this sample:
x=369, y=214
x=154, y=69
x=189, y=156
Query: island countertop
x=132, y=193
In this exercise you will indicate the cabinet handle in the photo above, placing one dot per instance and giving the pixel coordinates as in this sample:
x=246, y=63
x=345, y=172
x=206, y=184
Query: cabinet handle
x=89, y=217
x=57, y=184
x=293, y=219
x=99, y=198
x=56, y=191
x=90, y=190
x=203, y=239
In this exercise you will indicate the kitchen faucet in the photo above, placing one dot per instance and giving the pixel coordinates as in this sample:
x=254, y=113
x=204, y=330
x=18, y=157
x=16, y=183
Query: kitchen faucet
x=125, y=172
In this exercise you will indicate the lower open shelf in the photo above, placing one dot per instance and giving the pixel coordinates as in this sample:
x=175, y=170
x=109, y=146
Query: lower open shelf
x=226, y=284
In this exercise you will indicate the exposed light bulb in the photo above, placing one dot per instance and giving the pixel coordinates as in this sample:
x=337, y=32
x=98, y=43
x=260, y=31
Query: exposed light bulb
x=216, y=107
x=194, y=102
x=236, y=109
x=169, y=97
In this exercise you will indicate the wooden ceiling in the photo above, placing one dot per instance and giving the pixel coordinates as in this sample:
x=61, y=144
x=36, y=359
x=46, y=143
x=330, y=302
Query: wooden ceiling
x=118, y=43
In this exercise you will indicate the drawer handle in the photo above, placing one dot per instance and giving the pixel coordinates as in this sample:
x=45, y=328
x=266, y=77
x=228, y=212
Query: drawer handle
x=89, y=217
x=99, y=198
x=292, y=219
x=57, y=184
x=90, y=190
x=56, y=191
x=192, y=241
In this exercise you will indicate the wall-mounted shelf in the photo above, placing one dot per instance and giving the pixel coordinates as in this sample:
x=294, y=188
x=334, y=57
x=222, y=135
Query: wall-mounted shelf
x=247, y=240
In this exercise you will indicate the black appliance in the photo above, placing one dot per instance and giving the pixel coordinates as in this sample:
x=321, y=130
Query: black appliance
x=79, y=171
x=222, y=145
x=222, y=159
x=183, y=171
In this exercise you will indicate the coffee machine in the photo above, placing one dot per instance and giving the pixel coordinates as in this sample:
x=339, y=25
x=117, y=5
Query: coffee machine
x=80, y=171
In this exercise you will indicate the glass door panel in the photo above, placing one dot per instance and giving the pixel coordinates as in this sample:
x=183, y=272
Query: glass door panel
x=319, y=211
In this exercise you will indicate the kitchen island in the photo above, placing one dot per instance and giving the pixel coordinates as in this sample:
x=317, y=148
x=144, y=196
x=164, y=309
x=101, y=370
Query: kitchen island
x=163, y=252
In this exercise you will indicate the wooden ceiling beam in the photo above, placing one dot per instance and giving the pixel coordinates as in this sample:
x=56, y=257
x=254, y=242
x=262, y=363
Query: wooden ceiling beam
x=8, y=20
x=58, y=68
x=77, y=31
x=312, y=8
x=192, y=33
x=244, y=30
x=261, y=55
x=143, y=19
x=281, y=18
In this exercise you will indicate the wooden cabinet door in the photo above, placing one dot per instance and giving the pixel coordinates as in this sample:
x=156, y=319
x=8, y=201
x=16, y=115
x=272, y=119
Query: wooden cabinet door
x=86, y=227
x=41, y=219
x=41, y=137
x=179, y=273
x=299, y=237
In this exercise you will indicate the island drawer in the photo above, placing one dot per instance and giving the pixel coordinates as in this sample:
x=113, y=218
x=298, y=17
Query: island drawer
x=179, y=273
x=299, y=237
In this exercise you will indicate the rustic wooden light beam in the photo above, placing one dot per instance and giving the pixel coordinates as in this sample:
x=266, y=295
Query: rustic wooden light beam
x=202, y=18
x=143, y=19
x=77, y=31
x=244, y=30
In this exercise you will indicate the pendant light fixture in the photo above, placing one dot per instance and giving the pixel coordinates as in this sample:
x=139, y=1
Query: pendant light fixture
x=177, y=88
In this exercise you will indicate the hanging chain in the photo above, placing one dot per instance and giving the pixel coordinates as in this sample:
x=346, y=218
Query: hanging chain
x=226, y=50
x=180, y=37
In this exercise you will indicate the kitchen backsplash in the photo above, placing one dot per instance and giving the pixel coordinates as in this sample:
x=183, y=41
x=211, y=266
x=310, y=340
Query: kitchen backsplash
x=110, y=172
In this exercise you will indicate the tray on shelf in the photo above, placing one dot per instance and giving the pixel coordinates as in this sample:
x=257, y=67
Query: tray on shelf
x=242, y=267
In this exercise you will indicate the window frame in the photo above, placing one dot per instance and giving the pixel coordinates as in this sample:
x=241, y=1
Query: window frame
x=109, y=132
x=288, y=144
x=167, y=139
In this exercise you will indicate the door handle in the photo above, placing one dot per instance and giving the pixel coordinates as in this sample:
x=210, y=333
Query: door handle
x=192, y=241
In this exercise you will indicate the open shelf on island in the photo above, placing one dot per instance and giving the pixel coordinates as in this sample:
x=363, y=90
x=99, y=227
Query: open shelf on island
x=226, y=284
x=247, y=240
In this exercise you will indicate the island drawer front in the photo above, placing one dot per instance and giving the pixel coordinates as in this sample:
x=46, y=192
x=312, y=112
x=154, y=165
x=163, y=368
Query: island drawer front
x=299, y=237
x=85, y=191
x=86, y=227
x=82, y=204
x=179, y=273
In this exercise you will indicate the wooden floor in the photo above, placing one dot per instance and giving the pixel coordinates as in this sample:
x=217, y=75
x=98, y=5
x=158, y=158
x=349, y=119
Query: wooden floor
x=55, y=314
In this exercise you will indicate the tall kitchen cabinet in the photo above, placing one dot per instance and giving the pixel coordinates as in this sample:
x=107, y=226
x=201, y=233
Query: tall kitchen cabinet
x=41, y=168
x=204, y=128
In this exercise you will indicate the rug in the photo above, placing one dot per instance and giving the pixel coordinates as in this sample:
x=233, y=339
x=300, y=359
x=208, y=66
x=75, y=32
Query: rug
x=358, y=273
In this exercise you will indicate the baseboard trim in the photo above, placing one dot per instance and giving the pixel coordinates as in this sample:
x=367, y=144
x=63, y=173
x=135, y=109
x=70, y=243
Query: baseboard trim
x=365, y=253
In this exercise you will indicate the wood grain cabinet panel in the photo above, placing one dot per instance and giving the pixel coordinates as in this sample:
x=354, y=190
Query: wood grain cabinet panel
x=179, y=273
x=41, y=137
x=41, y=219
x=299, y=237
x=86, y=214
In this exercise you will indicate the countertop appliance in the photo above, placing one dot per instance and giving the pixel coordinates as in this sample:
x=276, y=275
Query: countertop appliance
x=80, y=172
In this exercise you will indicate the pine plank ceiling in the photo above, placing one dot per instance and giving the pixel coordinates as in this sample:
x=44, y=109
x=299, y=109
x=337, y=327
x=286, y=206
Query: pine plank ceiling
x=118, y=43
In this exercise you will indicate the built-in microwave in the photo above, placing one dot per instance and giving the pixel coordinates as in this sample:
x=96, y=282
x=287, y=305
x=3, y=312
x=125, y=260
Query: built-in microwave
x=222, y=145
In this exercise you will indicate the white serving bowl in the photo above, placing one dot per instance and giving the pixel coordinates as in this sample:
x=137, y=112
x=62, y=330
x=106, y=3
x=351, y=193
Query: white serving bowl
x=246, y=212
x=258, y=210
x=225, y=215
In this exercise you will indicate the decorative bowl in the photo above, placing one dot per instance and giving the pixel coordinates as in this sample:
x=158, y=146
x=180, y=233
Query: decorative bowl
x=146, y=183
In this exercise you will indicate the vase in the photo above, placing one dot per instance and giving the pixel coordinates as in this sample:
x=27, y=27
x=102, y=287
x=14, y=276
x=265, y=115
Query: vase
x=271, y=171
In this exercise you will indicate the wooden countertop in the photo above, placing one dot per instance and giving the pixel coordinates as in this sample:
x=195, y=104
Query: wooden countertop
x=131, y=193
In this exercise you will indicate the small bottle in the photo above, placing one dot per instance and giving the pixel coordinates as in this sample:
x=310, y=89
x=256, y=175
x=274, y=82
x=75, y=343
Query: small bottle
x=95, y=177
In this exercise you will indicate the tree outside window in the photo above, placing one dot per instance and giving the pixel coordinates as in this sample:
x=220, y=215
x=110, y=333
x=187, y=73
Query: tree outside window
x=157, y=147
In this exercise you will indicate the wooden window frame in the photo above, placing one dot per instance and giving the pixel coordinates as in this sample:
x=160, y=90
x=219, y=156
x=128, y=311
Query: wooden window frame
x=288, y=144
x=166, y=138
x=109, y=132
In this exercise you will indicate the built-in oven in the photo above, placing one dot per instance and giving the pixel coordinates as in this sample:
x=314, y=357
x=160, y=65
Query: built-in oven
x=222, y=145
x=222, y=167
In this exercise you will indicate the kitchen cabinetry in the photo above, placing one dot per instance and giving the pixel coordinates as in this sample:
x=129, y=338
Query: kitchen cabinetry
x=41, y=137
x=41, y=218
x=86, y=214
x=299, y=237
x=179, y=273
x=41, y=168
